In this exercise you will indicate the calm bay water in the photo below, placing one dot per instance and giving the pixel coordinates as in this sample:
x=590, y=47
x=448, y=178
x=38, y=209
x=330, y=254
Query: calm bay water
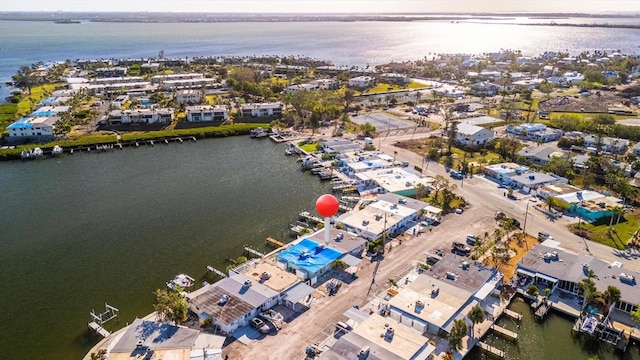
x=345, y=43
x=86, y=229
x=551, y=339
x=82, y=230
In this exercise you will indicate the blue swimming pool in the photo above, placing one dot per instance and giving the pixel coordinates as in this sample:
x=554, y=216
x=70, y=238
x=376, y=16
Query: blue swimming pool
x=309, y=256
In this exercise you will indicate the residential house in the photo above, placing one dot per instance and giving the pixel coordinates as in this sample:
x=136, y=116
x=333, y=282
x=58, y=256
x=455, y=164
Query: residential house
x=607, y=144
x=361, y=82
x=111, y=72
x=396, y=180
x=36, y=128
x=554, y=190
x=338, y=145
x=119, y=101
x=501, y=173
x=390, y=213
x=531, y=181
x=610, y=74
x=445, y=292
x=232, y=302
x=562, y=271
x=539, y=155
x=159, y=79
x=273, y=109
x=189, y=96
x=484, y=88
x=472, y=135
x=636, y=149
x=207, y=113
x=394, y=78
x=588, y=204
x=140, y=116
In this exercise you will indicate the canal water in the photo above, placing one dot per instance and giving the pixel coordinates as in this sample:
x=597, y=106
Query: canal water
x=551, y=339
x=85, y=229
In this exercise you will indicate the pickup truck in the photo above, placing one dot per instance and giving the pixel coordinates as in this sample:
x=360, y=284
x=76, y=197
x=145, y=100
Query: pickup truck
x=460, y=249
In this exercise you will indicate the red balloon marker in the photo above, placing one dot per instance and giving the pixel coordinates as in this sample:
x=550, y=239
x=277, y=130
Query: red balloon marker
x=327, y=206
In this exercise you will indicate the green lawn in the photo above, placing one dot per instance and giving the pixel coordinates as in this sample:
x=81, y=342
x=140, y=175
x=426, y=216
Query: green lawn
x=37, y=93
x=382, y=87
x=618, y=238
x=309, y=147
x=458, y=156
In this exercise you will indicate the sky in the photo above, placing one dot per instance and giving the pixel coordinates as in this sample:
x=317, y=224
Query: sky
x=325, y=6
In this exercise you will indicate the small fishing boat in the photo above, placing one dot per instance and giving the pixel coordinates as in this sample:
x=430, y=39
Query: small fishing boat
x=182, y=280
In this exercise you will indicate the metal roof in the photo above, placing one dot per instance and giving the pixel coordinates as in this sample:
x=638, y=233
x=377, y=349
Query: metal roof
x=297, y=292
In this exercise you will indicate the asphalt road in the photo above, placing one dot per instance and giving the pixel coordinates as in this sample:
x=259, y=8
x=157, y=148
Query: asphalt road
x=486, y=198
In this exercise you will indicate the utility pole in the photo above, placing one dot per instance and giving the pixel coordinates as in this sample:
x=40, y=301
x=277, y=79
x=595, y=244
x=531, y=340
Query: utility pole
x=524, y=227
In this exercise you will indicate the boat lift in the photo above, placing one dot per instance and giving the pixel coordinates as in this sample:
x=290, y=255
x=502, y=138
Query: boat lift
x=98, y=319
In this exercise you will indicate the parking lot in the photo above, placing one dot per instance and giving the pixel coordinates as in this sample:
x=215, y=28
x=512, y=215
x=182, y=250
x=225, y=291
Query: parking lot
x=383, y=121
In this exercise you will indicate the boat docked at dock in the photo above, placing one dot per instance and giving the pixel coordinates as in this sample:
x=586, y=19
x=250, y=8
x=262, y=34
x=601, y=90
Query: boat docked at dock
x=258, y=133
x=182, y=280
x=57, y=150
x=31, y=154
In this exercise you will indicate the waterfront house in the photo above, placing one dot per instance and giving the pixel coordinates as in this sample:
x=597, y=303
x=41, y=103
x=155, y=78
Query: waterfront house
x=341, y=240
x=472, y=135
x=273, y=109
x=232, y=302
x=361, y=82
x=189, y=96
x=546, y=265
x=161, y=339
x=378, y=337
x=36, y=128
x=308, y=259
x=353, y=163
x=389, y=213
x=140, y=116
x=448, y=290
x=206, y=113
x=337, y=145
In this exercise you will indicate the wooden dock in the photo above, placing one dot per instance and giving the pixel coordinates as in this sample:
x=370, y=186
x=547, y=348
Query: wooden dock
x=502, y=331
x=307, y=216
x=98, y=329
x=216, y=271
x=491, y=350
x=512, y=314
x=252, y=251
x=273, y=241
x=542, y=310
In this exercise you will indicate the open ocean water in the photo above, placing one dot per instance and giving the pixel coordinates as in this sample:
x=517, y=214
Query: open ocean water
x=344, y=43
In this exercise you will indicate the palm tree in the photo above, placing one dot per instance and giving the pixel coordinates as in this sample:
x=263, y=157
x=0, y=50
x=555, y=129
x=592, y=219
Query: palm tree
x=589, y=290
x=550, y=202
x=611, y=295
x=476, y=315
x=339, y=264
x=458, y=332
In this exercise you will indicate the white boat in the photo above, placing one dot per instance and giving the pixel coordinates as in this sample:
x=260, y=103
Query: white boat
x=37, y=152
x=258, y=133
x=57, y=150
x=182, y=280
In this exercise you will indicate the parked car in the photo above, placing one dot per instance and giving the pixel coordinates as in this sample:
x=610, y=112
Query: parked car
x=459, y=211
x=259, y=325
x=471, y=239
x=456, y=175
x=460, y=249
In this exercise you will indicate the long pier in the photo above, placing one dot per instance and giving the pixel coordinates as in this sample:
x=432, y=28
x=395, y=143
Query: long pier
x=490, y=349
x=216, y=271
x=512, y=314
x=273, y=241
x=252, y=251
x=307, y=216
x=98, y=329
x=508, y=333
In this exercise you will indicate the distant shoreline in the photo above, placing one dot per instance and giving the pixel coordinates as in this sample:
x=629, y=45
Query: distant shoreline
x=153, y=18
